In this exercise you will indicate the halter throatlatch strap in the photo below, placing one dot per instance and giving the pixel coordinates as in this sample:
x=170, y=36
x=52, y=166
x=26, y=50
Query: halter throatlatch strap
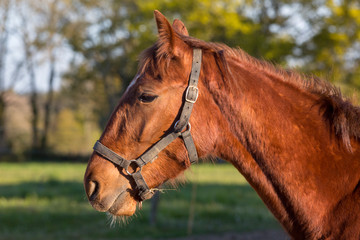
x=190, y=96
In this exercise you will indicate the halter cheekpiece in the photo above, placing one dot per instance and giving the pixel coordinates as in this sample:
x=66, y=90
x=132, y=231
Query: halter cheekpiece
x=181, y=129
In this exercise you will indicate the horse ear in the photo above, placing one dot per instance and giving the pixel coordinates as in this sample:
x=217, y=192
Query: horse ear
x=170, y=42
x=179, y=27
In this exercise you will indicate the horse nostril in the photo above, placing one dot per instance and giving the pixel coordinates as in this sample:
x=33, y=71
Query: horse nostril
x=93, y=188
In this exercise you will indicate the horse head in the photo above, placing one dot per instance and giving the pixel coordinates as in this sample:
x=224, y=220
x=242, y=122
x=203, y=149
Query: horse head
x=148, y=112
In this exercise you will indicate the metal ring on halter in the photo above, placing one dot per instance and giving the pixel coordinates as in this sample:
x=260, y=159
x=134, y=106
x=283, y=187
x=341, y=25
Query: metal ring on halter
x=127, y=171
x=188, y=125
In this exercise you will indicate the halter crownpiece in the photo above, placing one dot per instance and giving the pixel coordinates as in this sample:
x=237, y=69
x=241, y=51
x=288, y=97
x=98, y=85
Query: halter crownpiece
x=190, y=96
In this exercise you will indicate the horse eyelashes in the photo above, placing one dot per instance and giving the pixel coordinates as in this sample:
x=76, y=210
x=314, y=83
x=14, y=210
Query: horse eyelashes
x=146, y=98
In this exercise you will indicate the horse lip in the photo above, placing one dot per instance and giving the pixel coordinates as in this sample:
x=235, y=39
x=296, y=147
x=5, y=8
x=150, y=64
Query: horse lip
x=98, y=206
x=116, y=205
x=103, y=206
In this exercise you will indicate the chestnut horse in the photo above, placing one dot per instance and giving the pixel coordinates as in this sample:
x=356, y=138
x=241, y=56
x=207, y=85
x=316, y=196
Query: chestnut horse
x=294, y=138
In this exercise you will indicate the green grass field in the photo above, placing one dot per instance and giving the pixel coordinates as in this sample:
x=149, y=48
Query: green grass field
x=47, y=201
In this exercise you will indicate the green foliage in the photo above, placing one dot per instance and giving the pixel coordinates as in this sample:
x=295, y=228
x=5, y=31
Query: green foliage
x=73, y=128
x=320, y=36
x=105, y=39
x=110, y=42
x=47, y=201
x=333, y=51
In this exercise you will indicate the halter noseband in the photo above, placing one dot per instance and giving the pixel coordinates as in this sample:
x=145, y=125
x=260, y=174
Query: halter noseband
x=190, y=97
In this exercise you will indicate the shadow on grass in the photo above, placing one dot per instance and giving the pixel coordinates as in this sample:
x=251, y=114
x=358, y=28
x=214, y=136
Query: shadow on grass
x=49, y=189
x=59, y=210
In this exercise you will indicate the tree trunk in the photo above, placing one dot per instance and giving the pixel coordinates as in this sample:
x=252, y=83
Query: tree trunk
x=34, y=105
x=48, y=105
x=29, y=61
x=34, y=120
x=3, y=145
x=3, y=52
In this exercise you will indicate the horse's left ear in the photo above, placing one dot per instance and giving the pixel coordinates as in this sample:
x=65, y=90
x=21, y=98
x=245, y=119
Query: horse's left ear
x=180, y=28
x=170, y=41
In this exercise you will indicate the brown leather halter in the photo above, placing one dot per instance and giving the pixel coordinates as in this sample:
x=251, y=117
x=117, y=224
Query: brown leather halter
x=190, y=96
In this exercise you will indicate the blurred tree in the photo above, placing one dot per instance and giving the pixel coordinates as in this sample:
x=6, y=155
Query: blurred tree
x=115, y=32
x=51, y=32
x=9, y=75
x=255, y=26
x=106, y=48
x=73, y=133
x=30, y=51
x=333, y=48
x=106, y=37
x=43, y=29
x=4, y=35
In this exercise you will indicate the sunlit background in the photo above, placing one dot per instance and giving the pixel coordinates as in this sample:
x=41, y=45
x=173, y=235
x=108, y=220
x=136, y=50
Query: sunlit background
x=64, y=65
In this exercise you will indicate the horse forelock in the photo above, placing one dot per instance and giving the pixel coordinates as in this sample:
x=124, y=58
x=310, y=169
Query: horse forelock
x=148, y=61
x=155, y=59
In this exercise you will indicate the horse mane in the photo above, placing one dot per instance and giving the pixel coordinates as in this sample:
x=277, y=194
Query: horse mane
x=339, y=112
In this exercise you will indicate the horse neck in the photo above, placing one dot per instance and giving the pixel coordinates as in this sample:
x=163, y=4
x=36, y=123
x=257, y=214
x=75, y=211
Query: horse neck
x=272, y=134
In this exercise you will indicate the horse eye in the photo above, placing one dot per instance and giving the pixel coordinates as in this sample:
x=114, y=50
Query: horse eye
x=146, y=98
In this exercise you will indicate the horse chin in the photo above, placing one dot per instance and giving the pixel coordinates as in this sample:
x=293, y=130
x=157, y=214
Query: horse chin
x=124, y=205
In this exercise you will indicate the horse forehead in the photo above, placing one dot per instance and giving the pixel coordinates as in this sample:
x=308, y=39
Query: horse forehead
x=133, y=82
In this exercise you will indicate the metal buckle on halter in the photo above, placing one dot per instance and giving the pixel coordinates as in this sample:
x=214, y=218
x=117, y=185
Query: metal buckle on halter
x=137, y=166
x=188, y=126
x=194, y=94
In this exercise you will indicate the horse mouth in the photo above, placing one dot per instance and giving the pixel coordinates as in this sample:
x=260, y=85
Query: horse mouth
x=123, y=205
